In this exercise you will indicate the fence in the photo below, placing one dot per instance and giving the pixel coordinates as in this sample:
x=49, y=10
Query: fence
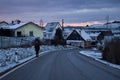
x=15, y=41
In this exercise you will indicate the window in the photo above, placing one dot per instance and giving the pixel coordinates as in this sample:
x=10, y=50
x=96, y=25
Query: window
x=44, y=35
x=19, y=34
x=31, y=33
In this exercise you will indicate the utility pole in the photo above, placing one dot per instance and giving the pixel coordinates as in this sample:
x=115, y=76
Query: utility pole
x=62, y=24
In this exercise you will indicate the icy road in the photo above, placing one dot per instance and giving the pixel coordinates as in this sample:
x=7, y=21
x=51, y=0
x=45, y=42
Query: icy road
x=63, y=65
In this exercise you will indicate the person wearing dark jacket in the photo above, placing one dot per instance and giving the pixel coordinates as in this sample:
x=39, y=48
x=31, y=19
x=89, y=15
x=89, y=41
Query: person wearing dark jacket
x=37, y=46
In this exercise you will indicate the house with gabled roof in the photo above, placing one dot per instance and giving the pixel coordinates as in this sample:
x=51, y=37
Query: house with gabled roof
x=3, y=23
x=94, y=35
x=79, y=38
x=50, y=30
x=103, y=34
x=26, y=29
x=74, y=35
x=94, y=38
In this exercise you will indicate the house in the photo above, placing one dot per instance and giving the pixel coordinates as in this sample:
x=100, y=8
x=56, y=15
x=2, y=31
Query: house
x=116, y=32
x=79, y=38
x=74, y=38
x=50, y=30
x=26, y=29
x=69, y=29
x=94, y=38
x=102, y=35
x=3, y=23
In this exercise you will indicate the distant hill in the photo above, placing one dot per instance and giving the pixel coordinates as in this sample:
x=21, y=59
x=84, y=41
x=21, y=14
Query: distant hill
x=115, y=24
x=73, y=27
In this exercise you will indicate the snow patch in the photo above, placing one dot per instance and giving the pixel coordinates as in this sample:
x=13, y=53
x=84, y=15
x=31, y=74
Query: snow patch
x=9, y=58
x=98, y=56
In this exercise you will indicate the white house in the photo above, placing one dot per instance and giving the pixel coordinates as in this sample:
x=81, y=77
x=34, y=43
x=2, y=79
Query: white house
x=26, y=29
x=50, y=30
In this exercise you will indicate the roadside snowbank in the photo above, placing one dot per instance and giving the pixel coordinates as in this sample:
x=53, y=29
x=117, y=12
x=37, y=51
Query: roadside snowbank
x=15, y=56
x=98, y=56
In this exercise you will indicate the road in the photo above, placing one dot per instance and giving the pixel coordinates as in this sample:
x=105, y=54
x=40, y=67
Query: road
x=64, y=65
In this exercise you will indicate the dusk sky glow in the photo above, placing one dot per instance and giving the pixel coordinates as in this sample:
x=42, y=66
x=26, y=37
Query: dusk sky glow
x=74, y=12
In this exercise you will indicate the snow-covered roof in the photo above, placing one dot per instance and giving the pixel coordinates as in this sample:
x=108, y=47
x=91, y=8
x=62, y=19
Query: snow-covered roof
x=16, y=26
x=69, y=33
x=85, y=36
x=51, y=26
x=94, y=34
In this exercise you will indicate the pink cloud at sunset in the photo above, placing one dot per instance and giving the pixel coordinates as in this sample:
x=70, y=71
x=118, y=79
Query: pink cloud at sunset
x=83, y=23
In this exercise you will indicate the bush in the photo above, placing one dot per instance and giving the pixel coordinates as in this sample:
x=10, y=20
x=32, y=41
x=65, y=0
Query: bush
x=111, y=51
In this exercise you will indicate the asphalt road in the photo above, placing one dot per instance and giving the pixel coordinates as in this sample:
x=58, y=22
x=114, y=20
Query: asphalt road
x=64, y=65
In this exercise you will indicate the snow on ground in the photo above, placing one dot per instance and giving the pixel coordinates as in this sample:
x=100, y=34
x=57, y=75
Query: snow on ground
x=98, y=56
x=14, y=56
x=9, y=58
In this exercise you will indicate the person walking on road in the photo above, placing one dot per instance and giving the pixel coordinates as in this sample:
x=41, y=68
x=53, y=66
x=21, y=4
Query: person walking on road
x=37, y=46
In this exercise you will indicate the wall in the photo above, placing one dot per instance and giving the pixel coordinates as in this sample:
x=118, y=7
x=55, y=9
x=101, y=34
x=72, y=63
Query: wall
x=37, y=32
x=6, y=42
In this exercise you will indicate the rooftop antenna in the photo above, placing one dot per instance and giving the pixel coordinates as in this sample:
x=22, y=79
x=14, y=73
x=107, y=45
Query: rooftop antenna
x=41, y=23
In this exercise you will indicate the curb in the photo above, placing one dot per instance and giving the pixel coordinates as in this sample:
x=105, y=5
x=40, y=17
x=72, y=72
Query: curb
x=11, y=69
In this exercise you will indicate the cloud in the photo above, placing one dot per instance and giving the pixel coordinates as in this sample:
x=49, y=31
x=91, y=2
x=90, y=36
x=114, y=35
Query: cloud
x=54, y=5
x=54, y=10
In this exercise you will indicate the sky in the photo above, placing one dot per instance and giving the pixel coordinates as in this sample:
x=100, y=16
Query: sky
x=74, y=12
